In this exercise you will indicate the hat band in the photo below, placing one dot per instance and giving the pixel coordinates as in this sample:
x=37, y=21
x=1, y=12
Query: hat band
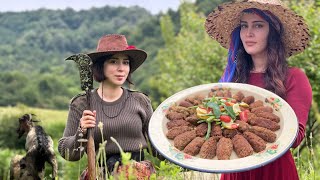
x=267, y=16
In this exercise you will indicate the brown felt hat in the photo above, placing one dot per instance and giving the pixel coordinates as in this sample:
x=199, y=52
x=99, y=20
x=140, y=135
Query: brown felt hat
x=226, y=17
x=116, y=43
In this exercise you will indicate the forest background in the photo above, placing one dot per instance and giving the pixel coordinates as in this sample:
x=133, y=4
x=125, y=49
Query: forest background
x=34, y=75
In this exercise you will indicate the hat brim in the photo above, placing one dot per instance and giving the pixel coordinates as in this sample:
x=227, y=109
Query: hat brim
x=225, y=18
x=137, y=56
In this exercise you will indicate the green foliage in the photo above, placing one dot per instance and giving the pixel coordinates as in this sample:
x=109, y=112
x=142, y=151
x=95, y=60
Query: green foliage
x=207, y=6
x=309, y=60
x=8, y=135
x=305, y=158
x=167, y=29
x=169, y=170
x=5, y=156
x=190, y=58
x=34, y=45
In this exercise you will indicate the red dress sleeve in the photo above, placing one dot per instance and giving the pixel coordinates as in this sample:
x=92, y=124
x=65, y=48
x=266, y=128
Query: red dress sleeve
x=299, y=97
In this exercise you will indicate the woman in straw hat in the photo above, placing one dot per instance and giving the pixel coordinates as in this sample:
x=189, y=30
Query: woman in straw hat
x=260, y=35
x=125, y=114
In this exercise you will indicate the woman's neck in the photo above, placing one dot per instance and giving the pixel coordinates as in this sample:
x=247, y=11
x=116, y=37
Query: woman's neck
x=259, y=64
x=109, y=93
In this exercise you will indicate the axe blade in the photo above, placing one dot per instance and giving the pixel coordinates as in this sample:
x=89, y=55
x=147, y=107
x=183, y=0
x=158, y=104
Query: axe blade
x=84, y=63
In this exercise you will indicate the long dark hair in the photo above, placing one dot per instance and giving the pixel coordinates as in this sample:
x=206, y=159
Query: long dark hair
x=277, y=67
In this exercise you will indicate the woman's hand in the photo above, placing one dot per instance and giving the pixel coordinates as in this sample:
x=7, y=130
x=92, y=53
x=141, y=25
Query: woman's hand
x=88, y=120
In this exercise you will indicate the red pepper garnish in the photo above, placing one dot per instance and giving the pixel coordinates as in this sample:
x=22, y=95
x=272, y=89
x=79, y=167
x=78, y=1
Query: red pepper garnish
x=225, y=118
x=244, y=115
x=229, y=103
x=234, y=126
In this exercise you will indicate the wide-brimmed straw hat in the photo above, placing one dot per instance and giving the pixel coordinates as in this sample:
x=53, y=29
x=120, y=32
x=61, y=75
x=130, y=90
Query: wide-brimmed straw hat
x=226, y=17
x=116, y=43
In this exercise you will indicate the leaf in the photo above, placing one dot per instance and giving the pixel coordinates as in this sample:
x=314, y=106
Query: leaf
x=230, y=112
x=209, y=130
x=215, y=107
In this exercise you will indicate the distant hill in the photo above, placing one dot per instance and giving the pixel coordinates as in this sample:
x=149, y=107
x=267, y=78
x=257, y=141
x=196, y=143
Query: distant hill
x=34, y=45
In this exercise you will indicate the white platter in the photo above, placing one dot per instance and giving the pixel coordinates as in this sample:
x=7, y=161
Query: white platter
x=285, y=136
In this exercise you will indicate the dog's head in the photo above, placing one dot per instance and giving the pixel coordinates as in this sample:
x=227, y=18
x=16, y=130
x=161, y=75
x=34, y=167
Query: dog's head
x=25, y=124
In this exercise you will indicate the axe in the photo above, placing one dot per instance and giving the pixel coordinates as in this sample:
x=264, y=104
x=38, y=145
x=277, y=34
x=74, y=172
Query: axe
x=84, y=63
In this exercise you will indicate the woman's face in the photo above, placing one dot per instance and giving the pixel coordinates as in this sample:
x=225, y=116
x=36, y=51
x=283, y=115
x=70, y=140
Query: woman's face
x=116, y=69
x=254, y=34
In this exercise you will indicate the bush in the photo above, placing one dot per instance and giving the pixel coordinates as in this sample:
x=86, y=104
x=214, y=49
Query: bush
x=8, y=135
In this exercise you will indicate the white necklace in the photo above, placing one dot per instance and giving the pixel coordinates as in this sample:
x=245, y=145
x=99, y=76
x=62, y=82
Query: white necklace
x=257, y=71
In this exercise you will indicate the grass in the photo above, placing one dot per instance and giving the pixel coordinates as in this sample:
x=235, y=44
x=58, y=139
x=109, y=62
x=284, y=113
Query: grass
x=54, y=121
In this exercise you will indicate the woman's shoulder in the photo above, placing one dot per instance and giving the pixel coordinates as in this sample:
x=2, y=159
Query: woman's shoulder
x=296, y=75
x=79, y=100
x=139, y=96
x=295, y=72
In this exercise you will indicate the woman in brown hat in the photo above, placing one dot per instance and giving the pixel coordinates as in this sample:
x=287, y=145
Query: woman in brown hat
x=125, y=114
x=260, y=35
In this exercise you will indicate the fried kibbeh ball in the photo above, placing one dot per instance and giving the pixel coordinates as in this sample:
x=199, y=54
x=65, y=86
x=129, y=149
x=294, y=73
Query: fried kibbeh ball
x=185, y=103
x=248, y=99
x=262, y=109
x=241, y=146
x=178, y=123
x=269, y=115
x=175, y=131
x=216, y=131
x=238, y=96
x=243, y=126
x=209, y=148
x=193, y=119
x=171, y=115
x=263, y=122
x=256, y=104
x=256, y=142
x=224, y=148
x=182, y=140
x=229, y=133
x=201, y=129
x=193, y=148
x=264, y=133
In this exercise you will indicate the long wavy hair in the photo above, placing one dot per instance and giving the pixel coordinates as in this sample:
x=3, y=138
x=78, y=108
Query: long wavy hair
x=277, y=67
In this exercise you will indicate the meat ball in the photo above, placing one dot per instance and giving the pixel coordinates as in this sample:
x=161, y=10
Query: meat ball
x=194, y=146
x=224, y=148
x=256, y=142
x=264, y=133
x=208, y=149
x=182, y=140
x=241, y=146
x=172, y=133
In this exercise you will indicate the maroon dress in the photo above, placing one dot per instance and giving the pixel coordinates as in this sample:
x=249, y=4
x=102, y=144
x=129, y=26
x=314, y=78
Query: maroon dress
x=299, y=97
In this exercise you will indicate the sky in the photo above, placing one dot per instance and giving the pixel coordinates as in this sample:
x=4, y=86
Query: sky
x=154, y=6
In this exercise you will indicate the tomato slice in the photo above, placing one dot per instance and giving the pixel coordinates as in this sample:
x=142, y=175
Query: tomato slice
x=229, y=103
x=225, y=118
x=244, y=116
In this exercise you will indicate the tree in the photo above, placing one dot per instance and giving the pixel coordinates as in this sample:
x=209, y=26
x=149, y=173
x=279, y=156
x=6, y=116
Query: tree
x=309, y=61
x=189, y=58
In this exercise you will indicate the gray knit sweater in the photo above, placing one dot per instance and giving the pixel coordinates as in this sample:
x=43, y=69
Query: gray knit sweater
x=125, y=119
